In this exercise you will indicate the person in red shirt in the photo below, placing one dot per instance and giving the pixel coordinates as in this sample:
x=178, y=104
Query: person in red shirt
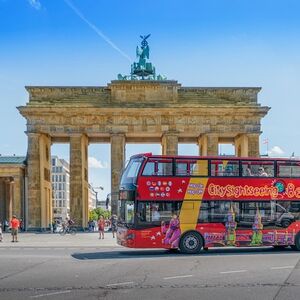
x=101, y=224
x=14, y=224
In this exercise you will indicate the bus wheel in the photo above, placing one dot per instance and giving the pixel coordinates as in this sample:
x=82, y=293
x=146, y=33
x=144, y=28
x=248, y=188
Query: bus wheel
x=191, y=243
x=297, y=243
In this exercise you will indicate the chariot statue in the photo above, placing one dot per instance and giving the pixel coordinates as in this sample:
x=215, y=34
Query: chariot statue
x=143, y=69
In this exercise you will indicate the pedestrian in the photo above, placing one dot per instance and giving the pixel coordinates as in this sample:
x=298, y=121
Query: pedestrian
x=15, y=225
x=21, y=225
x=5, y=225
x=113, y=221
x=1, y=235
x=101, y=225
x=90, y=222
x=54, y=226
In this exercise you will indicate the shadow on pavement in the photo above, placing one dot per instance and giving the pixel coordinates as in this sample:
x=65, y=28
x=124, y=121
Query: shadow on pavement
x=127, y=254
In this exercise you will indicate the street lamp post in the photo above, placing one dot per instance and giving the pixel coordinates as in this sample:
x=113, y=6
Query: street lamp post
x=97, y=188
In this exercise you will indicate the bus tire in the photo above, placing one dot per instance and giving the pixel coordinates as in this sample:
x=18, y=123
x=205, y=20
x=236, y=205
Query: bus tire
x=297, y=243
x=191, y=243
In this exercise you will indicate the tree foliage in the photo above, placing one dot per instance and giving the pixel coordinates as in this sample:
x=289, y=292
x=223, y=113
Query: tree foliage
x=97, y=212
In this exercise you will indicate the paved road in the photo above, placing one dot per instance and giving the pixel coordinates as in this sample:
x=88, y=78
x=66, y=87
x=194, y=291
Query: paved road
x=103, y=271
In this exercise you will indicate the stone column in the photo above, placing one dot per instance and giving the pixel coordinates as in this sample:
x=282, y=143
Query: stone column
x=241, y=145
x=208, y=144
x=202, y=144
x=17, y=200
x=253, y=144
x=169, y=143
x=79, y=179
x=39, y=183
x=9, y=186
x=117, y=149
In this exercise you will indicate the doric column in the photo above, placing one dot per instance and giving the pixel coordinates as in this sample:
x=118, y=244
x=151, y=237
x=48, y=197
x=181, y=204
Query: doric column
x=117, y=148
x=169, y=142
x=241, y=145
x=39, y=183
x=253, y=144
x=208, y=144
x=18, y=195
x=202, y=144
x=9, y=190
x=79, y=179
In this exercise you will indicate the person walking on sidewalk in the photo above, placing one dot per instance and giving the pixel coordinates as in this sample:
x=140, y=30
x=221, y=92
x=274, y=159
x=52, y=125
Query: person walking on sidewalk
x=15, y=225
x=101, y=225
x=5, y=225
x=113, y=221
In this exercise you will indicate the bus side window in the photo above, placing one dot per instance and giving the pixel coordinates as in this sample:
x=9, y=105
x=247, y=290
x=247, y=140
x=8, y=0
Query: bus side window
x=165, y=168
x=288, y=169
x=257, y=168
x=199, y=168
x=224, y=168
x=149, y=168
x=182, y=168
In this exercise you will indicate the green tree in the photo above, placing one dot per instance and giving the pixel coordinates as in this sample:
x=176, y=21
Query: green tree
x=97, y=212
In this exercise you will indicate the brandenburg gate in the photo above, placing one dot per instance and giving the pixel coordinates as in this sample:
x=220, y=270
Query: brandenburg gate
x=153, y=110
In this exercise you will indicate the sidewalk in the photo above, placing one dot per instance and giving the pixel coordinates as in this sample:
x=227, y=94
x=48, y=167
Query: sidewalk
x=53, y=240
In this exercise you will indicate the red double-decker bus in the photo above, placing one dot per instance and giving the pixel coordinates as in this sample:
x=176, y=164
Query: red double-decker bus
x=190, y=203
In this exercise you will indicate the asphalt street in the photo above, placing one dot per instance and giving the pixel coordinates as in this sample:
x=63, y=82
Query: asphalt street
x=86, y=268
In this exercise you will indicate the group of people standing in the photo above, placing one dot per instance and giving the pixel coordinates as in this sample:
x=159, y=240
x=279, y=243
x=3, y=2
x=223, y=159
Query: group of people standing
x=14, y=225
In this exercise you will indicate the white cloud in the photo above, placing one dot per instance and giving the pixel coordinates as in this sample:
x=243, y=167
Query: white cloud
x=97, y=164
x=276, y=151
x=35, y=4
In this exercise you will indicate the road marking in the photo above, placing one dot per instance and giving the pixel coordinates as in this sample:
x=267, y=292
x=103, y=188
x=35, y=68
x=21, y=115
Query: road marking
x=120, y=283
x=50, y=294
x=284, y=267
x=174, y=277
x=236, y=271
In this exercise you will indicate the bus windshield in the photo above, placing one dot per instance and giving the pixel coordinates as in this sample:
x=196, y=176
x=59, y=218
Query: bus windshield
x=126, y=212
x=131, y=171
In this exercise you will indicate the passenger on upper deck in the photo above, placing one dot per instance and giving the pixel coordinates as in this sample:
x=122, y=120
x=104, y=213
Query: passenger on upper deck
x=248, y=171
x=262, y=172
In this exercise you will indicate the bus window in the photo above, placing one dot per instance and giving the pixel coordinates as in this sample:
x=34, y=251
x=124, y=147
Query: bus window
x=131, y=171
x=182, y=167
x=126, y=212
x=149, y=169
x=192, y=167
x=199, y=168
x=295, y=208
x=214, y=211
x=165, y=168
x=158, y=168
x=153, y=213
x=288, y=169
x=257, y=168
x=224, y=168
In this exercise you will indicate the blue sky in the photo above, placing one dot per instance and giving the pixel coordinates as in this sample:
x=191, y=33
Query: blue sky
x=198, y=43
